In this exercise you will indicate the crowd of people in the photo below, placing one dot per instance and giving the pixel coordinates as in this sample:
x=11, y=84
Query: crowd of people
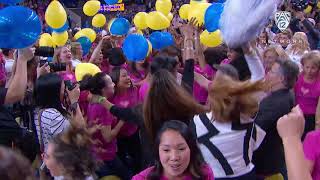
x=184, y=112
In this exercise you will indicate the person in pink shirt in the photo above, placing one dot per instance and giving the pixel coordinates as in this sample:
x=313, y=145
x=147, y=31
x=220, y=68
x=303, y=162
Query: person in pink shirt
x=177, y=156
x=126, y=96
x=63, y=55
x=108, y=128
x=200, y=93
x=138, y=71
x=312, y=153
x=307, y=88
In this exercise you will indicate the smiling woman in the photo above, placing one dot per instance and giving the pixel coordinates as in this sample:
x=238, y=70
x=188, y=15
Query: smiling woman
x=177, y=156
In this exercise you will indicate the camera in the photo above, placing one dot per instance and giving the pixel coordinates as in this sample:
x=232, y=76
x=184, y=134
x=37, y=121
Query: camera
x=54, y=67
x=44, y=51
x=70, y=85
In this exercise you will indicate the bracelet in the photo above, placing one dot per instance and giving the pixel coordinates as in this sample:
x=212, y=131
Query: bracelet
x=73, y=107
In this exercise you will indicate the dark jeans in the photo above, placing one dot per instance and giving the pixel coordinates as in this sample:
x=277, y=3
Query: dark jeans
x=129, y=151
x=310, y=124
x=114, y=167
x=249, y=176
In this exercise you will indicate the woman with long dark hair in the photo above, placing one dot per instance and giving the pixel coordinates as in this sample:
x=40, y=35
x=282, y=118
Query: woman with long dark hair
x=126, y=96
x=57, y=104
x=167, y=100
x=176, y=155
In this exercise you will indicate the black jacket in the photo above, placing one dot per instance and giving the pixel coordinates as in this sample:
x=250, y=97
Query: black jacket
x=269, y=157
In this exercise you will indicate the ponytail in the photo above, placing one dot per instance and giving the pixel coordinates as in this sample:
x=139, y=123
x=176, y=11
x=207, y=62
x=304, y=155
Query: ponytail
x=94, y=84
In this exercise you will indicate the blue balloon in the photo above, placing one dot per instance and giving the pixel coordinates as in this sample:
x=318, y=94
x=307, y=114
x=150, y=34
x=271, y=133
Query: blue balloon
x=62, y=29
x=212, y=16
x=135, y=47
x=20, y=27
x=85, y=44
x=160, y=40
x=120, y=26
x=11, y=2
x=111, y=2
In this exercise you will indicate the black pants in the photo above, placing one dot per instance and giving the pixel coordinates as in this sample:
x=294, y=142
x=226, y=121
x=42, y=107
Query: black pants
x=249, y=176
x=129, y=151
x=310, y=124
x=114, y=167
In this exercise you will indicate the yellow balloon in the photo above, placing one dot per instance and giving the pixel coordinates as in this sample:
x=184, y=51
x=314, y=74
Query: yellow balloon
x=60, y=39
x=211, y=39
x=120, y=1
x=308, y=9
x=140, y=20
x=87, y=32
x=150, y=47
x=46, y=40
x=83, y=69
x=164, y=6
x=157, y=21
x=99, y=20
x=318, y=5
x=184, y=11
x=193, y=2
x=90, y=8
x=170, y=16
x=198, y=11
x=55, y=15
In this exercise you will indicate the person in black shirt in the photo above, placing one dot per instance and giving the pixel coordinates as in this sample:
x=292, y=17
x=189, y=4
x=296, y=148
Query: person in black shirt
x=269, y=158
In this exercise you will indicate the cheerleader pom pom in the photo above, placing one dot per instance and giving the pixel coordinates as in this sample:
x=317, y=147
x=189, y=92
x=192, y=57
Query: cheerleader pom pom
x=242, y=22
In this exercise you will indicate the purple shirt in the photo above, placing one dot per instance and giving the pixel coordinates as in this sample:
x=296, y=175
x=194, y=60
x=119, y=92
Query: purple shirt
x=307, y=95
x=312, y=152
x=99, y=115
x=125, y=100
x=144, y=174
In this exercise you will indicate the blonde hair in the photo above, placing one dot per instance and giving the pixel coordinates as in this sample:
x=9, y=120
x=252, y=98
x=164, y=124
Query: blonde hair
x=299, y=43
x=278, y=50
x=74, y=51
x=229, y=98
x=312, y=56
x=57, y=51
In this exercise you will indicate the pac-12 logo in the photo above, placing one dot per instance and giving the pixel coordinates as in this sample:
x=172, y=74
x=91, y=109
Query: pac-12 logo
x=282, y=19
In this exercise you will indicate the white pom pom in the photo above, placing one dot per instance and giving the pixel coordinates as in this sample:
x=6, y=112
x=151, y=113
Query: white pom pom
x=242, y=21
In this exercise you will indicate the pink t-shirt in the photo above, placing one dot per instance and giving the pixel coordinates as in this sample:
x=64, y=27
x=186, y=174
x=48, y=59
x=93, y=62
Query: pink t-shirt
x=125, y=100
x=143, y=91
x=200, y=93
x=135, y=77
x=65, y=75
x=98, y=115
x=144, y=174
x=83, y=102
x=307, y=95
x=312, y=152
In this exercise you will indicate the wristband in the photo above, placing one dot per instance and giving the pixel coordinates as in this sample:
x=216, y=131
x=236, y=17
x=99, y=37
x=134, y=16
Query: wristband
x=74, y=107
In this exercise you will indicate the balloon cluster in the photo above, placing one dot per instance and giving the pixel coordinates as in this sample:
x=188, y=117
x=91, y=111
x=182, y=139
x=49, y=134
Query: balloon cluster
x=155, y=20
x=20, y=27
x=91, y=8
x=56, y=18
x=86, y=37
x=206, y=14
